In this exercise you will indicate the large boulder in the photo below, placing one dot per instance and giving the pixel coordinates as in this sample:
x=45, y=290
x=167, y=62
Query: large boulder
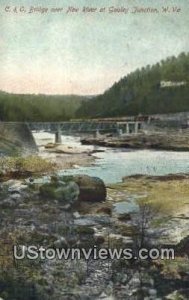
x=69, y=189
x=65, y=192
x=91, y=189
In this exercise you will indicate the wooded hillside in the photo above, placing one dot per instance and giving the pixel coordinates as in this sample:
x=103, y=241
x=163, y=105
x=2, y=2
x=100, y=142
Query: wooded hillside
x=143, y=92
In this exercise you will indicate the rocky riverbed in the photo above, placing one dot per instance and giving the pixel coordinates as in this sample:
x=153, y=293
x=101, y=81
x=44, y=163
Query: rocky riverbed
x=81, y=212
x=58, y=212
x=158, y=141
x=63, y=161
x=64, y=156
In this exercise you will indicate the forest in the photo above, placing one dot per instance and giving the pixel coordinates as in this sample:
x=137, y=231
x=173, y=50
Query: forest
x=141, y=92
x=15, y=107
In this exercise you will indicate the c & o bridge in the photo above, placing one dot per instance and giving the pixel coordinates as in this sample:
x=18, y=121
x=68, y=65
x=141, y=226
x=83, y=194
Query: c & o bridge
x=87, y=126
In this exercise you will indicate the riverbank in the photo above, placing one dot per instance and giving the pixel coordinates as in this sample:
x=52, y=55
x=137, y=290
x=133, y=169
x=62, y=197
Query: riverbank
x=31, y=217
x=70, y=154
x=81, y=212
x=169, y=142
x=167, y=195
x=68, y=161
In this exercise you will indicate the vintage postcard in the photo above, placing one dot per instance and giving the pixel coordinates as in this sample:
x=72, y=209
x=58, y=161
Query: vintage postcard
x=94, y=150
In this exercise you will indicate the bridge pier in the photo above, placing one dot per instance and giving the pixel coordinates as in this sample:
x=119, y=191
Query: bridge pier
x=97, y=133
x=119, y=131
x=131, y=127
x=58, y=137
x=127, y=128
x=136, y=127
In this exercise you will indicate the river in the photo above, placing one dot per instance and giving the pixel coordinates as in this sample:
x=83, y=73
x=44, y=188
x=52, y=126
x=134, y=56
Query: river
x=113, y=164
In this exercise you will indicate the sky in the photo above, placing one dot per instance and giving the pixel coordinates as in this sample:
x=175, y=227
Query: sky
x=84, y=53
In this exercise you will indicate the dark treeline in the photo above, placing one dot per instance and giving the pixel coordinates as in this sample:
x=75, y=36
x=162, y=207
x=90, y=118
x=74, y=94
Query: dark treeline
x=138, y=92
x=141, y=91
x=14, y=107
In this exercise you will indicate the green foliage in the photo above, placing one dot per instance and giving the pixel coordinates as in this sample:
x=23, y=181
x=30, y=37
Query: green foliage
x=14, y=107
x=174, y=268
x=48, y=190
x=32, y=164
x=140, y=92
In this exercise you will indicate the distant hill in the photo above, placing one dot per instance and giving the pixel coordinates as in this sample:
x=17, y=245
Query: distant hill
x=15, y=107
x=161, y=88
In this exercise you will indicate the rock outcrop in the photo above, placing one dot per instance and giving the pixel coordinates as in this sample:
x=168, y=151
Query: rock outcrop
x=15, y=139
x=179, y=142
x=69, y=189
x=65, y=192
x=92, y=189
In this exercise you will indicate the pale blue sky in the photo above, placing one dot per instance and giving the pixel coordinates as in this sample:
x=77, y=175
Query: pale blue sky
x=84, y=53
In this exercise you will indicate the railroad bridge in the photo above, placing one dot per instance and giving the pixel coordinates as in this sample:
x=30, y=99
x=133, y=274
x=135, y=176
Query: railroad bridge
x=88, y=126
